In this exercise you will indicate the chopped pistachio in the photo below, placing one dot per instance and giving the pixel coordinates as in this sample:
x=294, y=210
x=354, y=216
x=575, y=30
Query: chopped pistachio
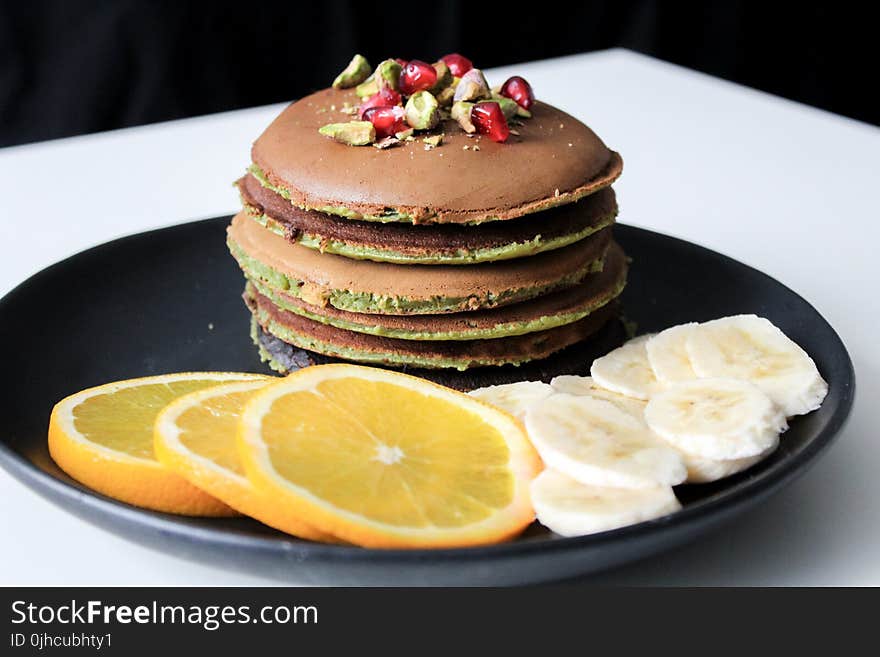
x=388, y=73
x=387, y=142
x=445, y=97
x=523, y=112
x=508, y=106
x=444, y=77
x=405, y=134
x=461, y=112
x=422, y=110
x=357, y=71
x=433, y=140
x=472, y=87
x=353, y=133
x=368, y=87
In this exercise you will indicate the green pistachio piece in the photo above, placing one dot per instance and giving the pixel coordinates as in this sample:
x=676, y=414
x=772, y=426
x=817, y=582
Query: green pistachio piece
x=472, y=87
x=433, y=140
x=523, y=112
x=353, y=133
x=357, y=71
x=404, y=134
x=444, y=77
x=445, y=96
x=422, y=110
x=508, y=106
x=461, y=112
x=388, y=73
x=367, y=88
x=387, y=142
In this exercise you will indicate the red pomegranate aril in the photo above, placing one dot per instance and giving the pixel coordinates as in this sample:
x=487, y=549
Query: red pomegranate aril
x=416, y=76
x=388, y=121
x=458, y=64
x=489, y=120
x=516, y=88
x=385, y=98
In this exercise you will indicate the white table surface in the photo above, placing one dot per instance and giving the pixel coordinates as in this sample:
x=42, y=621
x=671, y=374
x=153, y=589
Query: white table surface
x=785, y=188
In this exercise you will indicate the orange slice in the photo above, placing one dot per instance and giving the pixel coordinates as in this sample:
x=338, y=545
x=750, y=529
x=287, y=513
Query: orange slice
x=103, y=438
x=383, y=459
x=195, y=436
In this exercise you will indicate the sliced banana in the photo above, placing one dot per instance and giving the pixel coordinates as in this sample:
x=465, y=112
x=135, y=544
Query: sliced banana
x=571, y=508
x=514, y=397
x=752, y=348
x=596, y=443
x=702, y=470
x=716, y=418
x=626, y=370
x=668, y=356
x=586, y=386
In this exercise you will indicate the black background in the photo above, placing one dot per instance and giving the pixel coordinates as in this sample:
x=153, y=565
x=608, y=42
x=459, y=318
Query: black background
x=70, y=67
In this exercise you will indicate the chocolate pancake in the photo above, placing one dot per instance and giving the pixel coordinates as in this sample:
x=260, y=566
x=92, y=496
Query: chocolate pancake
x=461, y=355
x=576, y=359
x=448, y=244
x=363, y=286
x=549, y=311
x=554, y=160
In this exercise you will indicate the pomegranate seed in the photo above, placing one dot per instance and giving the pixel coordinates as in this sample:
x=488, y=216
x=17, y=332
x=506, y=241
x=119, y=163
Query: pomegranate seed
x=385, y=98
x=458, y=64
x=489, y=120
x=388, y=121
x=516, y=88
x=416, y=76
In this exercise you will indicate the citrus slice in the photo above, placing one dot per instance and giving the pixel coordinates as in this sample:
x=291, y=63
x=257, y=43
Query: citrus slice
x=383, y=459
x=195, y=436
x=103, y=438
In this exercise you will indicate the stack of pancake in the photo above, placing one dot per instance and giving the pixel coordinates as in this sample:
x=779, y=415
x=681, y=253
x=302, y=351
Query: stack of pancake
x=470, y=255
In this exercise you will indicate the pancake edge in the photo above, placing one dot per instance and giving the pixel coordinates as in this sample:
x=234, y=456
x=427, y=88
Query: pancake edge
x=415, y=215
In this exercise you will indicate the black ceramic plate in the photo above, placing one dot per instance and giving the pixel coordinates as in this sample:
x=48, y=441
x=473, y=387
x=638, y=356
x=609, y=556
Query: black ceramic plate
x=168, y=301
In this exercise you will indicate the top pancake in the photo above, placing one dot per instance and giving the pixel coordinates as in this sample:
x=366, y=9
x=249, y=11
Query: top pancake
x=556, y=159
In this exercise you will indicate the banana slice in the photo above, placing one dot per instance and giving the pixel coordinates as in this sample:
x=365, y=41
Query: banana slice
x=626, y=370
x=587, y=387
x=514, y=397
x=716, y=418
x=570, y=508
x=702, y=470
x=596, y=443
x=752, y=348
x=668, y=356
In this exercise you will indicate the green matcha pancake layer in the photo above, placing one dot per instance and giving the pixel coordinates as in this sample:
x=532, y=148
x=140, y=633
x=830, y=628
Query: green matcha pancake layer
x=554, y=160
x=461, y=355
x=576, y=359
x=362, y=286
x=549, y=311
x=429, y=244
